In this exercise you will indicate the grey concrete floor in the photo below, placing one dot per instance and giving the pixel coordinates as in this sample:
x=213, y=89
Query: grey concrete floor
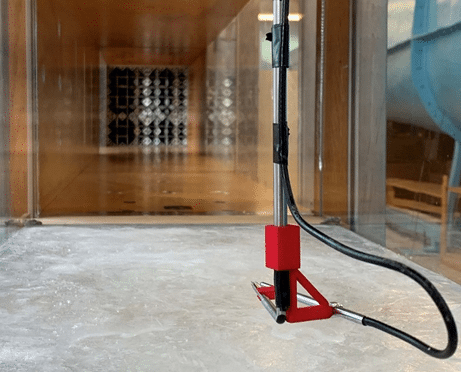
x=165, y=298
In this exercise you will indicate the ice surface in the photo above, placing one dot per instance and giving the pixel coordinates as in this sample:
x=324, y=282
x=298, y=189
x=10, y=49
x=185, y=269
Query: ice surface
x=132, y=298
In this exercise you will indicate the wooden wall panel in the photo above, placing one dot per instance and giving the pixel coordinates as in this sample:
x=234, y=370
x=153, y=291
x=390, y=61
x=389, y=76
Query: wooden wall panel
x=334, y=175
x=197, y=100
x=18, y=136
x=4, y=119
x=68, y=102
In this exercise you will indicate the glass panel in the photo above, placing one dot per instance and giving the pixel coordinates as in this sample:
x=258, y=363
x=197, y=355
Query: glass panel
x=423, y=133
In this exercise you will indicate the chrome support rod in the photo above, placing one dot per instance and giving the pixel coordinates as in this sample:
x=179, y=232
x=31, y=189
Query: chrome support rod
x=279, y=316
x=266, y=303
x=280, y=204
x=338, y=309
x=275, y=93
x=347, y=314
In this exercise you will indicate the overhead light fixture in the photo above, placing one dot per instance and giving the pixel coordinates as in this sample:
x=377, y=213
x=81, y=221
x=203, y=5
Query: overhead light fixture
x=267, y=17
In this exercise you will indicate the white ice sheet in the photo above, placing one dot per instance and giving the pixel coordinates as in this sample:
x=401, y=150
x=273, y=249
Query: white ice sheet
x=179, y=299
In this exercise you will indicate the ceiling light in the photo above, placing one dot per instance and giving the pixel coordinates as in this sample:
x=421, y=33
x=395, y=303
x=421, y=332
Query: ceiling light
x=267, y=17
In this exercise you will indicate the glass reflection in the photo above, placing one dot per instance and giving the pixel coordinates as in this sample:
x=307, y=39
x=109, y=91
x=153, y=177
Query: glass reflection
x=424, y=130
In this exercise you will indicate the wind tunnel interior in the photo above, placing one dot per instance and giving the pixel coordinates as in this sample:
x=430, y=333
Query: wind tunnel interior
x=140, y=109
x=113, y=136
x=120, y=110
x=150, y=109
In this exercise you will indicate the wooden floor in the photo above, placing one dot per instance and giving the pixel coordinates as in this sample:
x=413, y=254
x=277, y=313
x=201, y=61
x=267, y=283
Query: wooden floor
x=161, y=184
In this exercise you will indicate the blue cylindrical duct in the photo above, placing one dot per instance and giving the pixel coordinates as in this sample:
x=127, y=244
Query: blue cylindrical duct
x=424, y=79
x=424, y=69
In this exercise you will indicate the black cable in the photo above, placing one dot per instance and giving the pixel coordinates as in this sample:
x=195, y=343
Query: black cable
x=342, y=248
x=389, y=264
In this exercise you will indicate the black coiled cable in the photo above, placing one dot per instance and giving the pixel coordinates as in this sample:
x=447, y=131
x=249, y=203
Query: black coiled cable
x=389, y=264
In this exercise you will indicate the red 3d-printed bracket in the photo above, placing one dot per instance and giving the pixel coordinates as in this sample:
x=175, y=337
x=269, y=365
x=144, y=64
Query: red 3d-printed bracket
x=297, y=314
x=283, y=247
x=283, y=253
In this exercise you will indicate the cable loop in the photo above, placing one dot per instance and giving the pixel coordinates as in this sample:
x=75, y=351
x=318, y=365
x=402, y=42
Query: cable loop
x=389, y=264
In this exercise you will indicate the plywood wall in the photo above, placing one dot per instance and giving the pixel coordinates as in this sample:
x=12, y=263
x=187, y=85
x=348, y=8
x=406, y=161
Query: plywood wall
x=334, y=174
x=197, y=99
x=68, y=104
x=18, y=112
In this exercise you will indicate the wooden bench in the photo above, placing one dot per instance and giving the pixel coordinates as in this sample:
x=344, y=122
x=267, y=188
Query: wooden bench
x=452, y=259
x=424, y=188
x=449, y=258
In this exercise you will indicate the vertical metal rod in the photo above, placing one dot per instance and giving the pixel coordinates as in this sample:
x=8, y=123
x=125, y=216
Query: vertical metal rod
x=320, y=95
x=280, y=205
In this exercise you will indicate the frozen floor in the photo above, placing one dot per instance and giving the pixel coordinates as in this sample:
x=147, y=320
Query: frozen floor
x=133, y=298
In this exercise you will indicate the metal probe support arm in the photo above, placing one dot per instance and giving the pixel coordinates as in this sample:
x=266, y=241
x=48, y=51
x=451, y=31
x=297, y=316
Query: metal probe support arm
x=283, y=250
x=283, y=254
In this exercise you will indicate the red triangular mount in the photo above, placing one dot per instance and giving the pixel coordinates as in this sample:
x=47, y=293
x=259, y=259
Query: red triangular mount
x=297, y=314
